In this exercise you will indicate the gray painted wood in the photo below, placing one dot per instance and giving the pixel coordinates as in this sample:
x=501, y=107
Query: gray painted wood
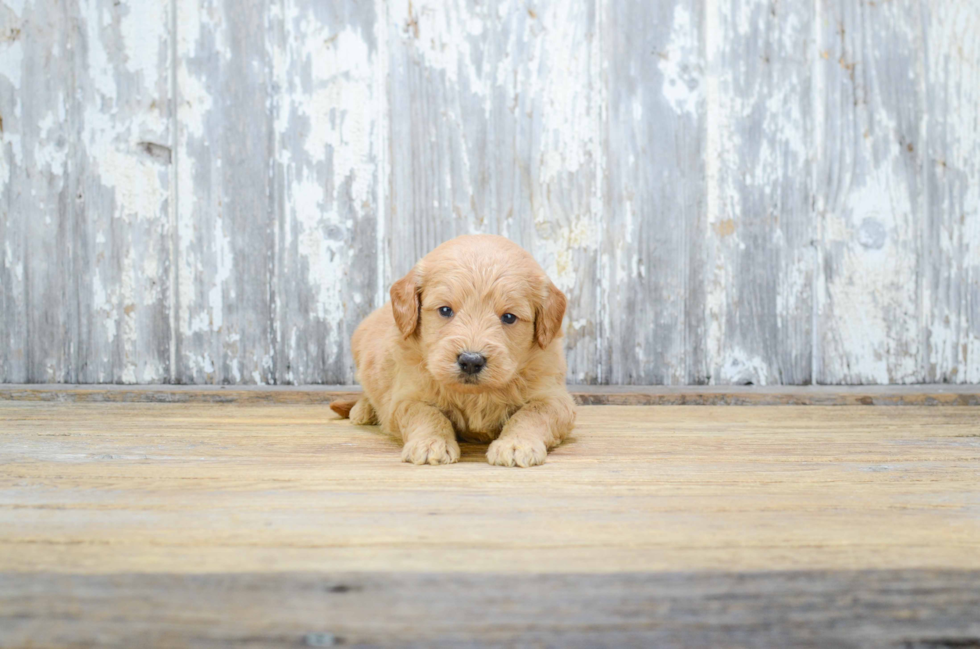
x=728, y=191
x=869, y=192
x=759, y=256
x=652, y=326
x=121, y=184
x=39, y=317
x=950, y=264
x=85, y=190
x=493, y=111
x=329, y=144
x=227, y=221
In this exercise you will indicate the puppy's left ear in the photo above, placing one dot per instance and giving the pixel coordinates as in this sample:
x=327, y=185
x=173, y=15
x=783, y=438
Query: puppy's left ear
x=405, y=302
x=547, y=319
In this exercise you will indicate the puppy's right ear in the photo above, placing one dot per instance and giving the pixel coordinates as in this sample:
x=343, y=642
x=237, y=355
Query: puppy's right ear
x=405, y=302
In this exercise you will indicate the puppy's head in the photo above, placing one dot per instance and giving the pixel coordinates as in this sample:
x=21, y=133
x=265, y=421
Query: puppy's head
x=479, y=307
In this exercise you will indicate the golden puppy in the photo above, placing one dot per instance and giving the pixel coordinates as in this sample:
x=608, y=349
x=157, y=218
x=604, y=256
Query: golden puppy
x=470, y=347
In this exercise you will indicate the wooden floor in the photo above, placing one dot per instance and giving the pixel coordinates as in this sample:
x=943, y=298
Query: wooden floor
x=201, y=524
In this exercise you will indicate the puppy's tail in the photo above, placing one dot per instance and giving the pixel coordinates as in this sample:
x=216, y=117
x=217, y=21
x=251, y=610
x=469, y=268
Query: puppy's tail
x=343, y=406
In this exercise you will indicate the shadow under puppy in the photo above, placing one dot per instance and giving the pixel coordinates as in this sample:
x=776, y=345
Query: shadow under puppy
x=469, y=347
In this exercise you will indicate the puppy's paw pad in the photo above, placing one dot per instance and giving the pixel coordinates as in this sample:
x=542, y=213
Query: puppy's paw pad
x=517, y=452
x=430, y=450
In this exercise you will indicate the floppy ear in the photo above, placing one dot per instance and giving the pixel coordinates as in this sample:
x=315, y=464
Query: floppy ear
x=547, y=319
x=405, y=302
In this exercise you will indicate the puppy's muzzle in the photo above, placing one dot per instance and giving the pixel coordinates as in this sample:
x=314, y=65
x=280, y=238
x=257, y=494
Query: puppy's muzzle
x=471, y=363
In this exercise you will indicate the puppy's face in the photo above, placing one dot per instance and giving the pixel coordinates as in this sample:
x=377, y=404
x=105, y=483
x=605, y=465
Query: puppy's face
x=478, y=315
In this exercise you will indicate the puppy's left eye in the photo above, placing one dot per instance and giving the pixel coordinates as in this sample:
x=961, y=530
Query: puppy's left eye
x=445, y=312
x=508, y=318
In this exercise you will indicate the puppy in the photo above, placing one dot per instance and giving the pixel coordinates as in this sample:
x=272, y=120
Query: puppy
x=469, y=347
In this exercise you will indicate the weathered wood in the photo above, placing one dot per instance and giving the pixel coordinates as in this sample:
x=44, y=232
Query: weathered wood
x=950, y=259
x=328, y=109
x=116, y=488
x=728, y=192
x=493, y=129
x=759, y=254
x=121, y=179
x=915, y=609
x=589, y=395
x=39, y=316
x=869, y=191
x=159, y=525
x=227, y=221
x=652, y=323
x=85, y=190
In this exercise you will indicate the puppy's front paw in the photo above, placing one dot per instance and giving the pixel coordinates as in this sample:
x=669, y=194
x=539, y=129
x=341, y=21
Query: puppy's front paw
x=430, y=450
x=517, y=451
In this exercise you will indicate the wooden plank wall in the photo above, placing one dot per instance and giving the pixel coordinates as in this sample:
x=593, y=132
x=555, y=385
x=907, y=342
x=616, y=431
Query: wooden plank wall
x=730, y=192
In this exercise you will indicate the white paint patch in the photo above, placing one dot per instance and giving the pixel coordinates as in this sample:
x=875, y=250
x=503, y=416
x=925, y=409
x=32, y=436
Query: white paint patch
x=339, y=115
x=440, y=33
x=11, y=54
x=16, y=6
x=145, y=30
x=140, y=187
x=94, y=20
x=337, y=98
x=681, y=65
x=223, y=263
x=739, y=368
x=51, y=150
x=871, y=297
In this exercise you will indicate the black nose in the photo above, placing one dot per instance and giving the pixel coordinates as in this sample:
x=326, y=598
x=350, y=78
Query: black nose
x=471, y=362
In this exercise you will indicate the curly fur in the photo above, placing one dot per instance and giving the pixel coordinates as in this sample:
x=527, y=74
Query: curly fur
x=406, y=355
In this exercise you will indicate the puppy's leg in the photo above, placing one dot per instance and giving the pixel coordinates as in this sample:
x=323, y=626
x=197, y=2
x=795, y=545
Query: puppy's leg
x=532, y=431
x=429, y=437
x=363, y=413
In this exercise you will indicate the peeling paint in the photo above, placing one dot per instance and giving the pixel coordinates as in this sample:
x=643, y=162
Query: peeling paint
x=682, y=79
x=727, y=193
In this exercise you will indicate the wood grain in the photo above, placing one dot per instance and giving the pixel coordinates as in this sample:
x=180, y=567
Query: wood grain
x=950, y=265
x=154, y=488
x=85, y=189
x=777, y=193
x=869, y=192
x=603, y=395
x=328, y=140
x=652, y=325
x=226, y=217
x=39, y=318
x=214, y=525
x=759, y=254
x=121, y=174
x=493, y=130
x=914, y=609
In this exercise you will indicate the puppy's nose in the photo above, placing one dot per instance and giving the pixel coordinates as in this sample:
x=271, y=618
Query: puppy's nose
x=471, y=362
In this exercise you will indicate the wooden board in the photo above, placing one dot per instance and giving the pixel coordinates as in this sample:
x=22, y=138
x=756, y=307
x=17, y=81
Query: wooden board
x=759, y=255
x=915, y=609
x=38, y=322
x=590, y=395
x=950, y=330
x=652, y=325
x=115, y=488
x=870, y=193
x=493, y=111
x=226, y=217
x=85, y=187
x=207, y=524
x=728, y=192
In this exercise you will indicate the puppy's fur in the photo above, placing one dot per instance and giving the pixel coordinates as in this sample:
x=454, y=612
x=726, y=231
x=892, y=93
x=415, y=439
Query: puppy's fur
x=406, y=354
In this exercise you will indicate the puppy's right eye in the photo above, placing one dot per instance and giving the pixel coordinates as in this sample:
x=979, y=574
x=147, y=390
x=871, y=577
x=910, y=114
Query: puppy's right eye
x=445, y=312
